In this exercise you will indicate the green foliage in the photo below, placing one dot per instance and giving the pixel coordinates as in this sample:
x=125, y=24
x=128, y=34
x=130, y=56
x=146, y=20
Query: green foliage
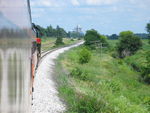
x=148, y=27
x=113, y=37
x=147, y=102
x=148, y=30
x=59, y=33
x=128, y=44
x=92, y=38
x=51, y=32
x=88, y=104
x=146, y=70
x=140, y=62
x=72, y=39
x=84, y=56
x=114, y=87
x=79, y=73
x=59, y=41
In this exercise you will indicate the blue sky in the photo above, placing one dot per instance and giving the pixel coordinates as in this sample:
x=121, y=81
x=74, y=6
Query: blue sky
x=106, y=16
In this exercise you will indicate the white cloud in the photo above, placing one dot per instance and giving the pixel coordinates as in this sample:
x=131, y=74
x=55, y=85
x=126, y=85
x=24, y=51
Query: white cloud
x=140, y=3
x=75, y=2
x=37, y=12
x=44, y=3
x=100, y=2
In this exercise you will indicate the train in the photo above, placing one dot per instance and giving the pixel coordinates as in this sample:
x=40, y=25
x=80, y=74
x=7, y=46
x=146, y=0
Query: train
x=20, y=52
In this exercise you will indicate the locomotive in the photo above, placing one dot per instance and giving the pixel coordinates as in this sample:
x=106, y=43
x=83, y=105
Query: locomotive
x=20, y=51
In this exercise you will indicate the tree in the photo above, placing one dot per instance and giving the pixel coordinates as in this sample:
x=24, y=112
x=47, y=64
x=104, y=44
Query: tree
x=50, y=31
x=59, y=39
x=148, y=30
x=69, y=34
x=128, y=44
x=93, y=36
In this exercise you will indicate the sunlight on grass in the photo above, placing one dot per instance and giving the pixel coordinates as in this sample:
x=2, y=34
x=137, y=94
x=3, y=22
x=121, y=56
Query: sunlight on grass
x=112, y=82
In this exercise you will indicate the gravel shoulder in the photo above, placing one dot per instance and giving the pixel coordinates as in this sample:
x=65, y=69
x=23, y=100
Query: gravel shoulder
x=45, y=95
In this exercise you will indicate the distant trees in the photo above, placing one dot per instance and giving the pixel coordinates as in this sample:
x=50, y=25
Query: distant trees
x=92, y=36
x=113, y=37
x=128, y=44
x=51, y=32
x=74, y=34
x=141, y=35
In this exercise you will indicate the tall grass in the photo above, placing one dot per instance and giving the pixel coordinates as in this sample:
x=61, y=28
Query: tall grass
x=103, y=85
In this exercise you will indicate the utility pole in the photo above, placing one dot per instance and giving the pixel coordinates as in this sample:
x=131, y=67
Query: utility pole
x=101, y=49
x=98, y=44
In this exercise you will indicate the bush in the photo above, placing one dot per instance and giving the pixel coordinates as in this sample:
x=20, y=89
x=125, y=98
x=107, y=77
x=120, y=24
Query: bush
x=146, y=70
x=114, y=54
x=84, y=56
x=88, y=104
x=128, y=44
x=72, y=39
x=147, y=102
x=79, y=73
x=59, y=41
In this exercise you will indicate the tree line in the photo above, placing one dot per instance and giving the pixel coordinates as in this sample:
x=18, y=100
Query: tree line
x=141, y=35
x=49, y=31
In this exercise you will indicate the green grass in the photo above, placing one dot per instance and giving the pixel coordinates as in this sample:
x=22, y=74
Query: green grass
x=110, y=86
x=48, y=43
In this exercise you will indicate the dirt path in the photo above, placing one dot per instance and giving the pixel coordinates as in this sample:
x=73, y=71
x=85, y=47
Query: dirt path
x=45, y=96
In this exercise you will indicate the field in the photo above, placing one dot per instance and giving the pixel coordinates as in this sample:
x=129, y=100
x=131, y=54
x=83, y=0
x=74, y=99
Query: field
x=48, y=43
x=105, y=84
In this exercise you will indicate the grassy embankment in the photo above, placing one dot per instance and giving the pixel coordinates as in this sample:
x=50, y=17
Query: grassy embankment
x=105, y=84
x=48, y=43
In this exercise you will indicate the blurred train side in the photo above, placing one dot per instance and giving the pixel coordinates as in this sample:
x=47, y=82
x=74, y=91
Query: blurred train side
x=18, y=57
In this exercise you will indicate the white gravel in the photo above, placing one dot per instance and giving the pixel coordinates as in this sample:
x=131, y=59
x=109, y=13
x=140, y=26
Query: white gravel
x=45, y=96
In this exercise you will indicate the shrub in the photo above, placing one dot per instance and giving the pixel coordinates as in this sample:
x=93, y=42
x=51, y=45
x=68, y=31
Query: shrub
x=59, y=41
x=147, y=102
x=146, y=70
x=72, y=39
x=114, y=54
x=79, y=73
x=128, y=44
x=89, y=104
x=84, y=56
x=76, y=72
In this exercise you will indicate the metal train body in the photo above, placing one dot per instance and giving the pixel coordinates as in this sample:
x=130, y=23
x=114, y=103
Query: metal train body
x=19, y=56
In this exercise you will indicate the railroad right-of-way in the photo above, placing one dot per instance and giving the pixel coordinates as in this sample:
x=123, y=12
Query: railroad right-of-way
x=45, y=95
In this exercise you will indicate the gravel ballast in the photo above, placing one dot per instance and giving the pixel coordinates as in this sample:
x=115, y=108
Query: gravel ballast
x=45, y=95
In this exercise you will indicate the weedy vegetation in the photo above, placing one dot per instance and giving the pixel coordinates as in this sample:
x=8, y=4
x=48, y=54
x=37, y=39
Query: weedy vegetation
x=94, y=81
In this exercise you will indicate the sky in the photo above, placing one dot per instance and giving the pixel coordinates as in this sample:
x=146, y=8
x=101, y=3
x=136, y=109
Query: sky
x=106, y=16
